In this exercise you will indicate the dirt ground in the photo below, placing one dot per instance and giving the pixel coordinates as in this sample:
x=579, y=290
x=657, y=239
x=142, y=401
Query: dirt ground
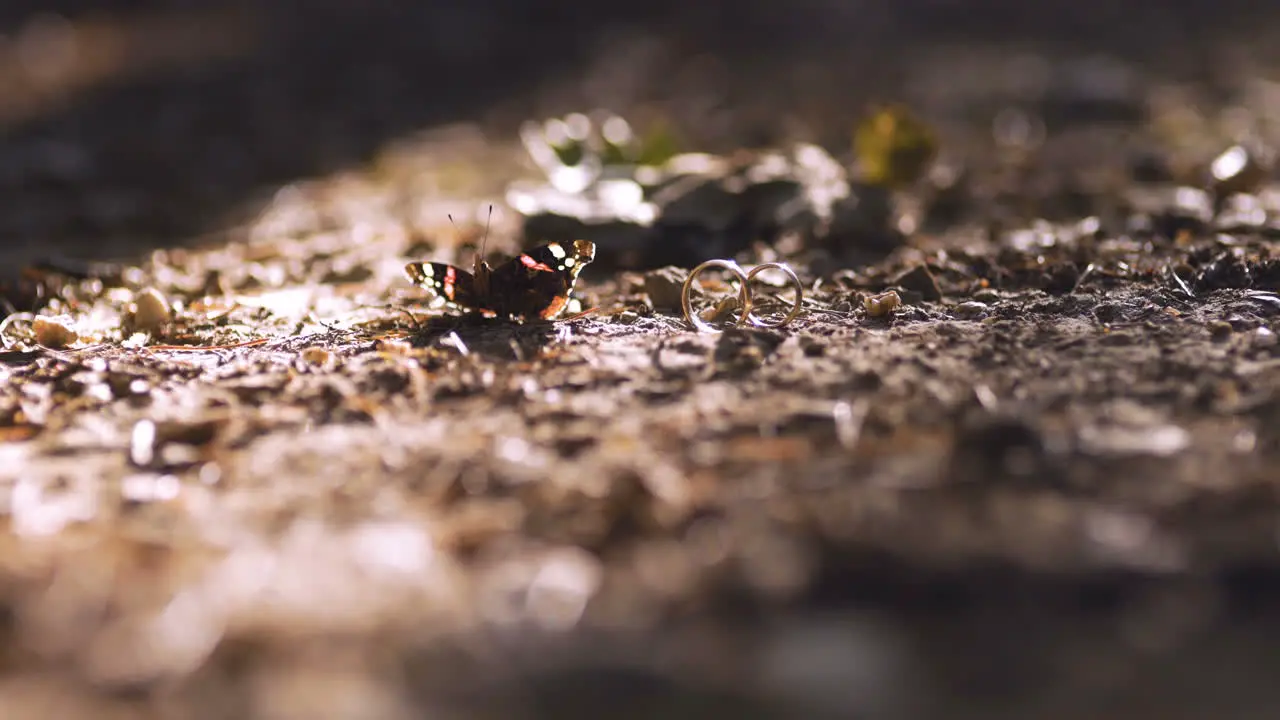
x=1045, y=486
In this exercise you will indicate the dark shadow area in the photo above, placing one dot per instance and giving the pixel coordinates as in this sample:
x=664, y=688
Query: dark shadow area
x=973, y=642
x=153, y=121
x=492, y=338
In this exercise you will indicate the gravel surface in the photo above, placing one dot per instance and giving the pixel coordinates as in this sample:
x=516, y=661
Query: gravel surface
x=249, y=471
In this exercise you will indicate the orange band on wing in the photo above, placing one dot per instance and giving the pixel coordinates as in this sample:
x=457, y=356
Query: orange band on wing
x=557, y=304
x=450, y=280
x=532, y=264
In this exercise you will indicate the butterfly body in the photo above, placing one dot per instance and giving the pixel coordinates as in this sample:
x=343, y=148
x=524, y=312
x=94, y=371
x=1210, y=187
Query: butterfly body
x=535, y=284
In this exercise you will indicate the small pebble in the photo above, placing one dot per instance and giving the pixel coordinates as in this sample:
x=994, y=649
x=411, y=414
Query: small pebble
x=664, y=286
x=971, y=309
x=316, y=356
x=1237, y=170
x=52, y=333
x=1263, y=337
x=150, y=311
x=1220, y=329
x=882, y=304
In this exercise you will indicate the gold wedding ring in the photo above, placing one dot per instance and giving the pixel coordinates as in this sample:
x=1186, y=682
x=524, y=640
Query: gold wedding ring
x=795, y=306
x=744, y=295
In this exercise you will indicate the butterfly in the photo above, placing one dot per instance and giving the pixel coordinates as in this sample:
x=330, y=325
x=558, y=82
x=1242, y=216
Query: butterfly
x=534, y=284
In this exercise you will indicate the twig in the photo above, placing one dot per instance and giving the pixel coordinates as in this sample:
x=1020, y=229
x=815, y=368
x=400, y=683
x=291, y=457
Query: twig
x=1177, y=281
x=579, y=316
x=167, y=348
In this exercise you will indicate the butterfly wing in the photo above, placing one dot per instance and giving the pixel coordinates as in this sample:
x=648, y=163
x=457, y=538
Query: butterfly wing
x=538, y=283
x=456, y=286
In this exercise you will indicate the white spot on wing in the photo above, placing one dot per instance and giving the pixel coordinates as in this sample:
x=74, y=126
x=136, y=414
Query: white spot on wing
x=568, y=262
x=556, y=250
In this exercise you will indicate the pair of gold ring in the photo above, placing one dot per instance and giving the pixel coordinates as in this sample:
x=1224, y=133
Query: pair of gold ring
x=744, y=295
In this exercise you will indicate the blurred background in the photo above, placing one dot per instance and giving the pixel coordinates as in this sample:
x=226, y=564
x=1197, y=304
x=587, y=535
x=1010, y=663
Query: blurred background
x=130, y=125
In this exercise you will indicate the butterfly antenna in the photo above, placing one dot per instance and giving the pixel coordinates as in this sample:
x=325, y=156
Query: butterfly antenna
x=479, y=255
x=487, y=224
